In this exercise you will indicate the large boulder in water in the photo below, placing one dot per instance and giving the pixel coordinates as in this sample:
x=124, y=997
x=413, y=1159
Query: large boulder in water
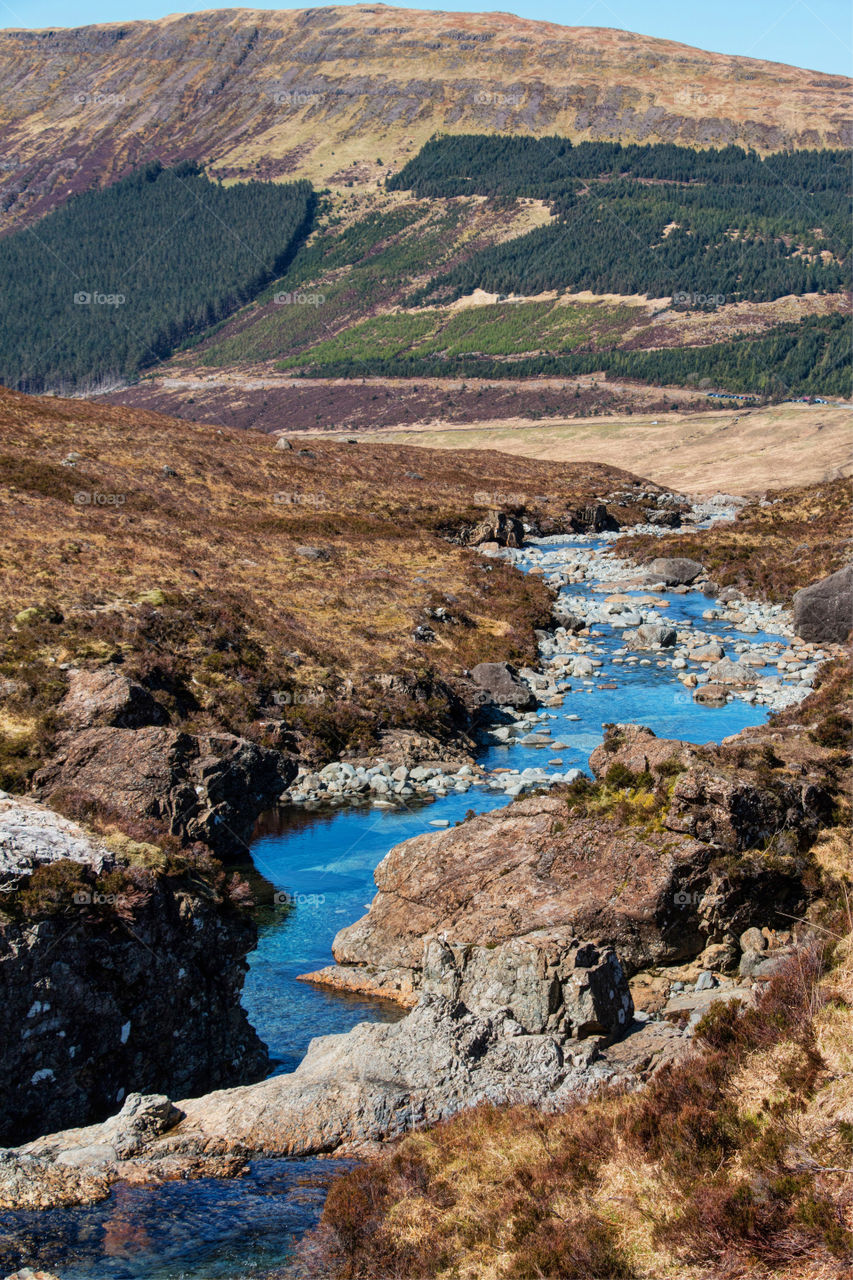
x=675, y=571
x=823, y=612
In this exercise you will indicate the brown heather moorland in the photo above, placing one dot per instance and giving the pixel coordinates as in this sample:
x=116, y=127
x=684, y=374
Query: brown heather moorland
x=777, y=544
x=244, y=584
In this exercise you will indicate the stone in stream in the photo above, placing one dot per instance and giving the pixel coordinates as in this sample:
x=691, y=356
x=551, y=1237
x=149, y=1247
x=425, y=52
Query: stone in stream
x=712, y=652
x=823, y=612
x=711, y=695
x=674, y=570
x=651, y=635
x=733, y=673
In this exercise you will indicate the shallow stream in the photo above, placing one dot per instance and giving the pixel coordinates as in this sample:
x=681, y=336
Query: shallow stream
x=324, y=860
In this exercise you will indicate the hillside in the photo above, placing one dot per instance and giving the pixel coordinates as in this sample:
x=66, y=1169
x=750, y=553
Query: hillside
x=115, y=279
x=339, y=95
x=735, y=450
x=259, y=590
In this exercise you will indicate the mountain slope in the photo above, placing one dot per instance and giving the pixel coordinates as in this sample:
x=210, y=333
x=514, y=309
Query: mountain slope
x=330, y=93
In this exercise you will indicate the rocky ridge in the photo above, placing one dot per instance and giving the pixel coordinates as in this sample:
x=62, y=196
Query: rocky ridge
x=337, y=94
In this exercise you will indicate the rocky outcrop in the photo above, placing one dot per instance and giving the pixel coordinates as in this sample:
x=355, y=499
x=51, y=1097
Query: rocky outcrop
x=593, y=519
x=573, y=991
x=498, y=527
x=502, y=685
x=716, y=850
x=823, y=612
x=118, y=973
x=300, y=85
x=210, y=787
x=674, y=571
x=108, y=697
x=531, y=1021
x=638, y=749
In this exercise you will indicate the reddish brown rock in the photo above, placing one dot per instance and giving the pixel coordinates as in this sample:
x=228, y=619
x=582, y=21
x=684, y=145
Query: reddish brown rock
x=108, y=697
x=635, y=747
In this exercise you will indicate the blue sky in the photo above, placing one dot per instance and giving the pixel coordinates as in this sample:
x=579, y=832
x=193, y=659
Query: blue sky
x=807, y=33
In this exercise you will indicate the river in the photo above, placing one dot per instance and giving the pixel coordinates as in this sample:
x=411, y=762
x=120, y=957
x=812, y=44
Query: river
x=324, y=859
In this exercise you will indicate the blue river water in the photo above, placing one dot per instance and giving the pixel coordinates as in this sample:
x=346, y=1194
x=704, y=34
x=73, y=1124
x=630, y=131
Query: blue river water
x=212, y=1229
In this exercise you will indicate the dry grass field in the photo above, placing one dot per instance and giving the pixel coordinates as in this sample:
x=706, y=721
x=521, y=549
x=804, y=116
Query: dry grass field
x=743, y=451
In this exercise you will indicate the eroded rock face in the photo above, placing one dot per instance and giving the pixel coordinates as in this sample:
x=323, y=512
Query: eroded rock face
x=112, y=980
x=823, y=612
x=506, y=530
x=570, y=989
x=657, y=892
x=530, y=867
x=349, y=1093
x=210, y=788
x=593, y=519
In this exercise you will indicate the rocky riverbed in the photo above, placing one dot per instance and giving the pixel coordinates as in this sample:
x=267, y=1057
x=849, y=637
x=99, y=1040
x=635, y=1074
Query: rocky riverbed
x=564, y=942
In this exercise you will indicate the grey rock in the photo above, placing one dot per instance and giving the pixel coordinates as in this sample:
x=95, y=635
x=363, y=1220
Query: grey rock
x=727, y=672
x=674, y=570
x=823, y=612
x=651, y=635
x=547, y=984
x=312, y=553
x=752, y=940
x=708, y=653
x=503, y=685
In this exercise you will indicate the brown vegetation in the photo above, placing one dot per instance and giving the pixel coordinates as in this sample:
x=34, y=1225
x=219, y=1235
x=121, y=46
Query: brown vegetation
x=776, y=546
x=247, y=586
x=337, y=95
x=735, y=1160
